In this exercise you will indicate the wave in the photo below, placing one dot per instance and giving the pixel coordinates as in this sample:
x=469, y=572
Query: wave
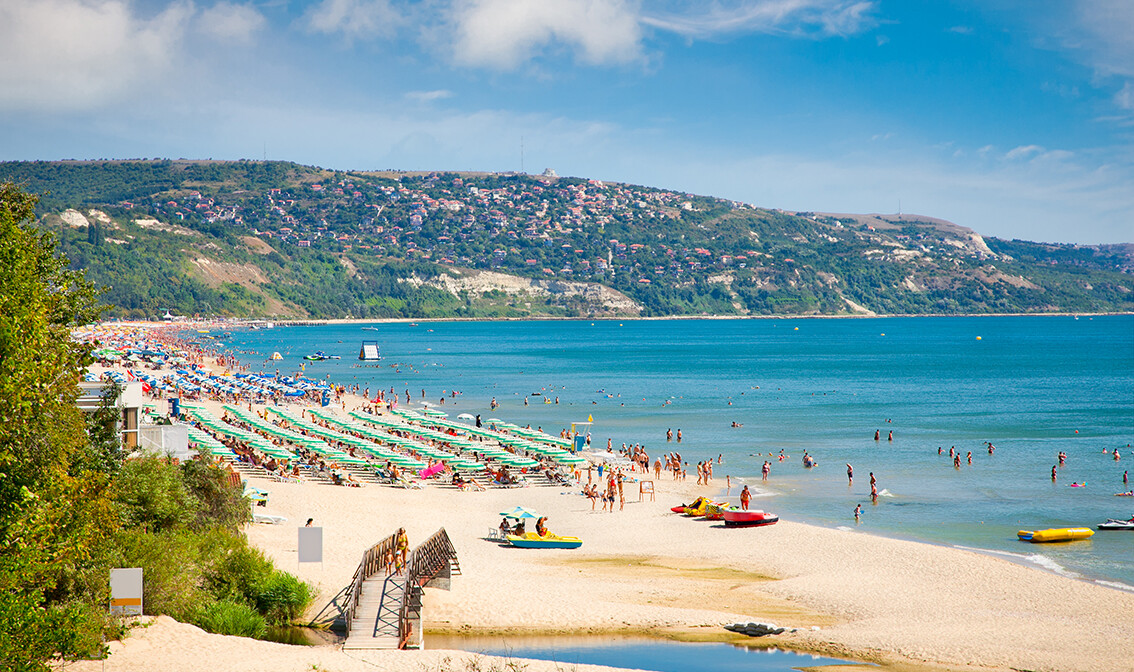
x=1116, y=585
x=1036, y=559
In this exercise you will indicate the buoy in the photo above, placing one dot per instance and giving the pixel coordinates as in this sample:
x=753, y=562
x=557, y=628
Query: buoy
x=797, y=328
x=883, y=333
x=978, y=338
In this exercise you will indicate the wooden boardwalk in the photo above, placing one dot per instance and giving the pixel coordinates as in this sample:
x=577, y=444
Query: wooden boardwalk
x=375, y=623
x=384, y=612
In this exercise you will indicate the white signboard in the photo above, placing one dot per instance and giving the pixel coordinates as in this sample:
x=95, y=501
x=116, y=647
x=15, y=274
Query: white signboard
x=126, y=591
x=311, y=544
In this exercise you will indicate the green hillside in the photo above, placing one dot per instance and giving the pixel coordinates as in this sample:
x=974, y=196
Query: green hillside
x=280, y=239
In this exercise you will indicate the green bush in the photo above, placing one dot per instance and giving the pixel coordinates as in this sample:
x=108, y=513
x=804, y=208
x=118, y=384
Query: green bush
x=152, y=495
x=230, y=618
x=219, y=502
x=238, y=574
x=282, y=598
x=171, y=567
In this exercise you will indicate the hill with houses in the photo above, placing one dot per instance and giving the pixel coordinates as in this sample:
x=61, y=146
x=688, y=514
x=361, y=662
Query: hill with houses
x=277, y=239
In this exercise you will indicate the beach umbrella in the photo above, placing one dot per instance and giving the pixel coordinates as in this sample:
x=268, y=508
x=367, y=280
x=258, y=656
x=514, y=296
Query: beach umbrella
x=465, y=416
x=495, y=420
x=519, y=512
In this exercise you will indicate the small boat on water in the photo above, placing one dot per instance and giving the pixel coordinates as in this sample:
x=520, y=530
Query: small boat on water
x=319, y=356
x=1116, y=524
x=549, y=540
x=1055, y=534
x=734, y=518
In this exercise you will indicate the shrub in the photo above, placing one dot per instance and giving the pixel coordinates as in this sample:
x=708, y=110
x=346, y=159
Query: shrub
x=171, y=570
x=221, y=504
x=226, y=617
x=282, y=598
x=153, y=496
x=238, y=574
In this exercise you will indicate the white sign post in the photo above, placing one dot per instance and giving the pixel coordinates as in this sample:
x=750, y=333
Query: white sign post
x=311, y=544
x=126, y=591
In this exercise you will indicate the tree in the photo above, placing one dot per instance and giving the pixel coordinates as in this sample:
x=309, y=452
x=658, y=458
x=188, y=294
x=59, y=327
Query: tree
x=51, y=520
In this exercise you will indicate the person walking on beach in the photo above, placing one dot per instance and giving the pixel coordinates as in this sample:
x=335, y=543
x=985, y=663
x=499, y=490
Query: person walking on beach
x=766, y=469
x=745, y=497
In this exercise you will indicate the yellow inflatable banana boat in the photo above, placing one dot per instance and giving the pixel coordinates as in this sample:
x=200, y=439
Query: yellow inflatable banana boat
x=1055, y=534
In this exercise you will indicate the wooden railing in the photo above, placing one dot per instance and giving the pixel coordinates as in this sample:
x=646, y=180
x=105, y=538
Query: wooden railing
x=373, y=560
x=427, y=562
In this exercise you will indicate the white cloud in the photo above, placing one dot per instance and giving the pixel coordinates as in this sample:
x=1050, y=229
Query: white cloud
x=355, y=19
x=1104, y=33
x=696, y=18
x=231, y=23
x=504, y=34
x=1125, y=97
x=428, y=96
x=1023, y=152
x=77, y=54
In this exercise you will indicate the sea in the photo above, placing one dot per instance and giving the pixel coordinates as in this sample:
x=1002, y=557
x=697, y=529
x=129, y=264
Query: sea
x=1032, y=386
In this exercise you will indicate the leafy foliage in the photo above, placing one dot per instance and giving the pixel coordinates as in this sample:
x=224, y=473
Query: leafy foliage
x=53, y=513
x=70, y=508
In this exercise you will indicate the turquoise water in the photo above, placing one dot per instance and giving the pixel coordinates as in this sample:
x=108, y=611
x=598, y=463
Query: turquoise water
x=1033, y=386
x=647, y=654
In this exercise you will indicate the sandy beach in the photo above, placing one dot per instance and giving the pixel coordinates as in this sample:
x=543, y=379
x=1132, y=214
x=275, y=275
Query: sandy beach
x=905, y=605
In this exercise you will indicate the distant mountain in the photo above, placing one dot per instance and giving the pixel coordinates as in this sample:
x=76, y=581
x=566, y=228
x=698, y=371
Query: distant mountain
x=279, y=239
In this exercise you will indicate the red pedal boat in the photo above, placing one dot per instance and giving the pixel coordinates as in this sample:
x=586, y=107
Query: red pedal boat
x=749, y=518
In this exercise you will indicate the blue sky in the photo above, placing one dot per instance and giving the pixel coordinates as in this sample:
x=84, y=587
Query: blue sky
x=1013, y=118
